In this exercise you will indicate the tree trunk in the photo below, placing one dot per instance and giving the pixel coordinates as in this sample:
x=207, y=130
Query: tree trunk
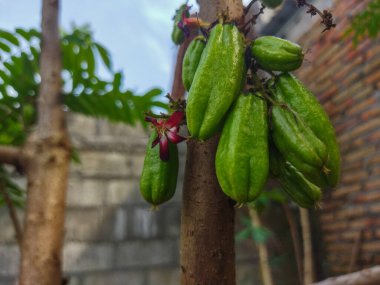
x=207, y=220
x=207, y=225
x=263, y=251
x=47, y=154
x=308, y=269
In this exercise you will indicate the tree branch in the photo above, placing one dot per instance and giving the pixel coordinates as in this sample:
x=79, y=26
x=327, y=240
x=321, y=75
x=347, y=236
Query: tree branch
x=308, y=268
x=263, y=250
x=178, y=90
x=295, y=240
x=370, y=276
x=11, y=155
x=12, y=213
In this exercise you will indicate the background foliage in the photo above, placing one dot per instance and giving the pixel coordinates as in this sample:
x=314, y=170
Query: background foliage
x=85, y=91
x=366, y=23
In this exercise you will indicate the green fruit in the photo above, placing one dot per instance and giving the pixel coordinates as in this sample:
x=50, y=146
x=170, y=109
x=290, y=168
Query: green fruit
x=242, y=161
x=293, y=182
x=276, y=54
x=271, y=3
x=298, y=144
x=191, y=60
x=217, y=82
x=177, y=34
x=289, y=90
x=159, y=178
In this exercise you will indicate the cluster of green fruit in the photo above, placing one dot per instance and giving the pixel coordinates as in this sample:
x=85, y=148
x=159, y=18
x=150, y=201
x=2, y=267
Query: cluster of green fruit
x=275, y=126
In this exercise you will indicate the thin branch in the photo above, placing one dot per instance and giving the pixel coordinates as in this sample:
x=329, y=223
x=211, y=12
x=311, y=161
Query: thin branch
x=326, y=16
x=12, y=213
x=295, y=240
x=253, y=19
x=263, y=250
x=308, y=269
x=355, y=250
x=11, y=155
x=246, y=9
x=370, y=276
x=178, y=90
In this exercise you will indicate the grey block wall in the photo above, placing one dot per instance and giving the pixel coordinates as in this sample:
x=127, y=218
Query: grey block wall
x=112, y=235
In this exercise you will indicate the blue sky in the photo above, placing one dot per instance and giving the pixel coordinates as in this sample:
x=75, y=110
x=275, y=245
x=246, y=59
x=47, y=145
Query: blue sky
x=137, y=33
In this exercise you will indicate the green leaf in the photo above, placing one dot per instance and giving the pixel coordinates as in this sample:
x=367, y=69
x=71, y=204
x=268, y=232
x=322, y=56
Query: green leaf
x=243, y=234
x=23, y=33
x=104, y=54
x=5, y=47
x=75, y=156
x=366, y=23
x=261, y=234
x=9, y=37
x=90, y=58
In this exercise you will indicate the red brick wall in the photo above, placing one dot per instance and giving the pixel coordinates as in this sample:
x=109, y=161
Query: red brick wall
x=347, y=82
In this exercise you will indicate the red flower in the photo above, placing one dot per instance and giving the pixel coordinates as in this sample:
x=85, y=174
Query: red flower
x=167, y=130
x=187, y=23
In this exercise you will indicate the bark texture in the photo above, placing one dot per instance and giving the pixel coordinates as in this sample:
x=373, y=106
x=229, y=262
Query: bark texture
x=207, y=219
x=47, y=154
x=207, y=222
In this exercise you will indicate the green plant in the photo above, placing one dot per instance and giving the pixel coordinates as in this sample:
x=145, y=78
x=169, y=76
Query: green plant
x=191, y=60
x=242, y=162
x=159, y=177
x=289, y=91
x=366, y=23
x=276, y=54
x=217, y=82
x=84, y=90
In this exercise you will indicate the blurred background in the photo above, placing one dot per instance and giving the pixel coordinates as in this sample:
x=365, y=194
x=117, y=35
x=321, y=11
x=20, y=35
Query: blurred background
x=112, y=236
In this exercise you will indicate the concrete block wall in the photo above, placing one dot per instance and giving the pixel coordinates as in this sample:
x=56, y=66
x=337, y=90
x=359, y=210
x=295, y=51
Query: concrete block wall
x=112, y=236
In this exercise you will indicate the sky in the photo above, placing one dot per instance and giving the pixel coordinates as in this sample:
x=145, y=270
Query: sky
x=137, y=33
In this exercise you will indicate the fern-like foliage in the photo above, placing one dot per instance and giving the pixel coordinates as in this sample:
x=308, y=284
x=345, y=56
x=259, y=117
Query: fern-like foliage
x=366, y=23
x=84, y=90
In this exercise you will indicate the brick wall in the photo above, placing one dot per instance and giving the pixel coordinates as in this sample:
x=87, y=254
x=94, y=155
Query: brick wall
x=346, y=79
x=112, y=237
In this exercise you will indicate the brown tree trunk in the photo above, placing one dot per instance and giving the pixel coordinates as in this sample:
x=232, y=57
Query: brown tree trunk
x=207, y=219
x=207, y=225
x=47, y=154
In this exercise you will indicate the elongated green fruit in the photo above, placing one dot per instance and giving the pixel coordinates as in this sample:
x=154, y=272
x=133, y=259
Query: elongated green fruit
x=276, y=54
x=191, y=60
x=271, y=3
x=293, y=182
x=242, y=162
x=298, y=144
x=178, y=35
x=291, y=91
x=217, y=82
x=159, y=178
